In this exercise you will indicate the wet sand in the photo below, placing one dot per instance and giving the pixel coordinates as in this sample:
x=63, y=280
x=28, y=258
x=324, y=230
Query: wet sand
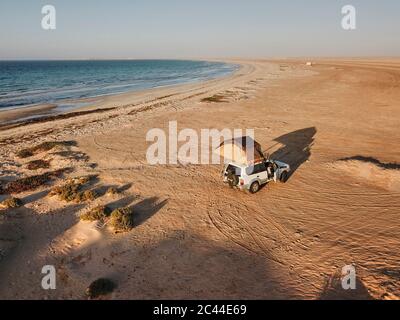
x=11, y=115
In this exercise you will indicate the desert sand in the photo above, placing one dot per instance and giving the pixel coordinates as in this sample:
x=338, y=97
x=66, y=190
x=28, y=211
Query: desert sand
x=336, y=123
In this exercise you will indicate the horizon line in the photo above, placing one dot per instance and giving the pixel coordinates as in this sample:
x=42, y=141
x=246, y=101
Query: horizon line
x=206, y=58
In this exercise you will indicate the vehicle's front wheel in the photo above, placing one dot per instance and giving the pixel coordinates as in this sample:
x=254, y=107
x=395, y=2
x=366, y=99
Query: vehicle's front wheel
x=284, y=177
x=255, y=187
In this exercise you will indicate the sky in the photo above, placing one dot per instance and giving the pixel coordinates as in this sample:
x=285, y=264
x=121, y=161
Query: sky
x=149, y=29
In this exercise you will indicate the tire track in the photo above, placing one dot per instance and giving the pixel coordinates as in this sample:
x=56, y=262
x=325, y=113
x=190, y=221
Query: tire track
x=333, y=203
x=223, y=223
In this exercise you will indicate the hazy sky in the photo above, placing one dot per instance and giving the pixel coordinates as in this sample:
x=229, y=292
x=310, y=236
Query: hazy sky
x=197, y=28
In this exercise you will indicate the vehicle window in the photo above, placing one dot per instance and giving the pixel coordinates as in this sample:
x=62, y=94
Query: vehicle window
x=250, y=170
x=258, y=168
x=237, y=171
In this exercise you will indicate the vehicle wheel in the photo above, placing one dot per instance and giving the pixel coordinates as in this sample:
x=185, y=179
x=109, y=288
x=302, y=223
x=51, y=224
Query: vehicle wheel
x=284, y=177
x=233, y=180
x=255, y=186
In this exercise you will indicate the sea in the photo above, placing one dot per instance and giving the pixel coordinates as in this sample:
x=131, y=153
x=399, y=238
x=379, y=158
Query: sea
x=60, y=83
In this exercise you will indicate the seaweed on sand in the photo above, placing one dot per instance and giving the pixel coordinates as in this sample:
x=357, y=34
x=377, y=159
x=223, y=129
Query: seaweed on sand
x=43, y=147
x=30, y=183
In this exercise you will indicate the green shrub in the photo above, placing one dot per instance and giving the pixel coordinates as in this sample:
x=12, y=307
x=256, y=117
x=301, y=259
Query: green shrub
x=122, y=219
x=80, y=180
x=88, y=195
x=96, y=214
x=10, y=203
x=67, y=192
x=71, y=191
x=112, y=191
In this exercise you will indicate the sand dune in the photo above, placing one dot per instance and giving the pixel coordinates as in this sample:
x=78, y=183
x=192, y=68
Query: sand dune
x=372, y=172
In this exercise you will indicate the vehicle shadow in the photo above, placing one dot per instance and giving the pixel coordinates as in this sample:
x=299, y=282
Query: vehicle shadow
x=296, y=148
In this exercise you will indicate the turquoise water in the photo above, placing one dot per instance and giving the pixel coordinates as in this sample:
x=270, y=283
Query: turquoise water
x=24, y=83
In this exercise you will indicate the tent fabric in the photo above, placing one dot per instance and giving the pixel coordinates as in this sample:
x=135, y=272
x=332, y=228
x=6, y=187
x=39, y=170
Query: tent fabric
x=242, y=150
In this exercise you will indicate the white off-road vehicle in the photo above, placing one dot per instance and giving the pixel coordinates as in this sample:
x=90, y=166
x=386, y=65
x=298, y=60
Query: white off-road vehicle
x=252, y=177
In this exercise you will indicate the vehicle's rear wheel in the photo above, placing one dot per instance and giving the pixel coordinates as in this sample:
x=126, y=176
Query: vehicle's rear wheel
x=233, y=180
x=255, y=187
x=284, y=177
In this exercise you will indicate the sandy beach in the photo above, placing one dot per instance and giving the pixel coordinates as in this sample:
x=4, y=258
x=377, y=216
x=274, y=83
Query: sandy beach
x=336, y=123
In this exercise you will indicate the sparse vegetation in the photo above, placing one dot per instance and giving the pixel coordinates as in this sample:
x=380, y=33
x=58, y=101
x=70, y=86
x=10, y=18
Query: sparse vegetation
x=43, y=147
x=122, y=219
x=73, y=155
x=24, y=153
x=96, y=214
x=88, y=195
x=38, y=164
x=217, y=98
x=100, y=287
x=112, y=191
x=11, y=203
x=80, y=180
x=72, y=190
x=67, y=192
x=30, y=183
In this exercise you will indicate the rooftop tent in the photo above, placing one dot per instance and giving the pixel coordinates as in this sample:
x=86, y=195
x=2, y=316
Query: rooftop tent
x=243, y=150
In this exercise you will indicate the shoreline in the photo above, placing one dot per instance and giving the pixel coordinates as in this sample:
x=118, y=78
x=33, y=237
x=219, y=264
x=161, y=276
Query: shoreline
x=11, y=115
x=125, y=100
